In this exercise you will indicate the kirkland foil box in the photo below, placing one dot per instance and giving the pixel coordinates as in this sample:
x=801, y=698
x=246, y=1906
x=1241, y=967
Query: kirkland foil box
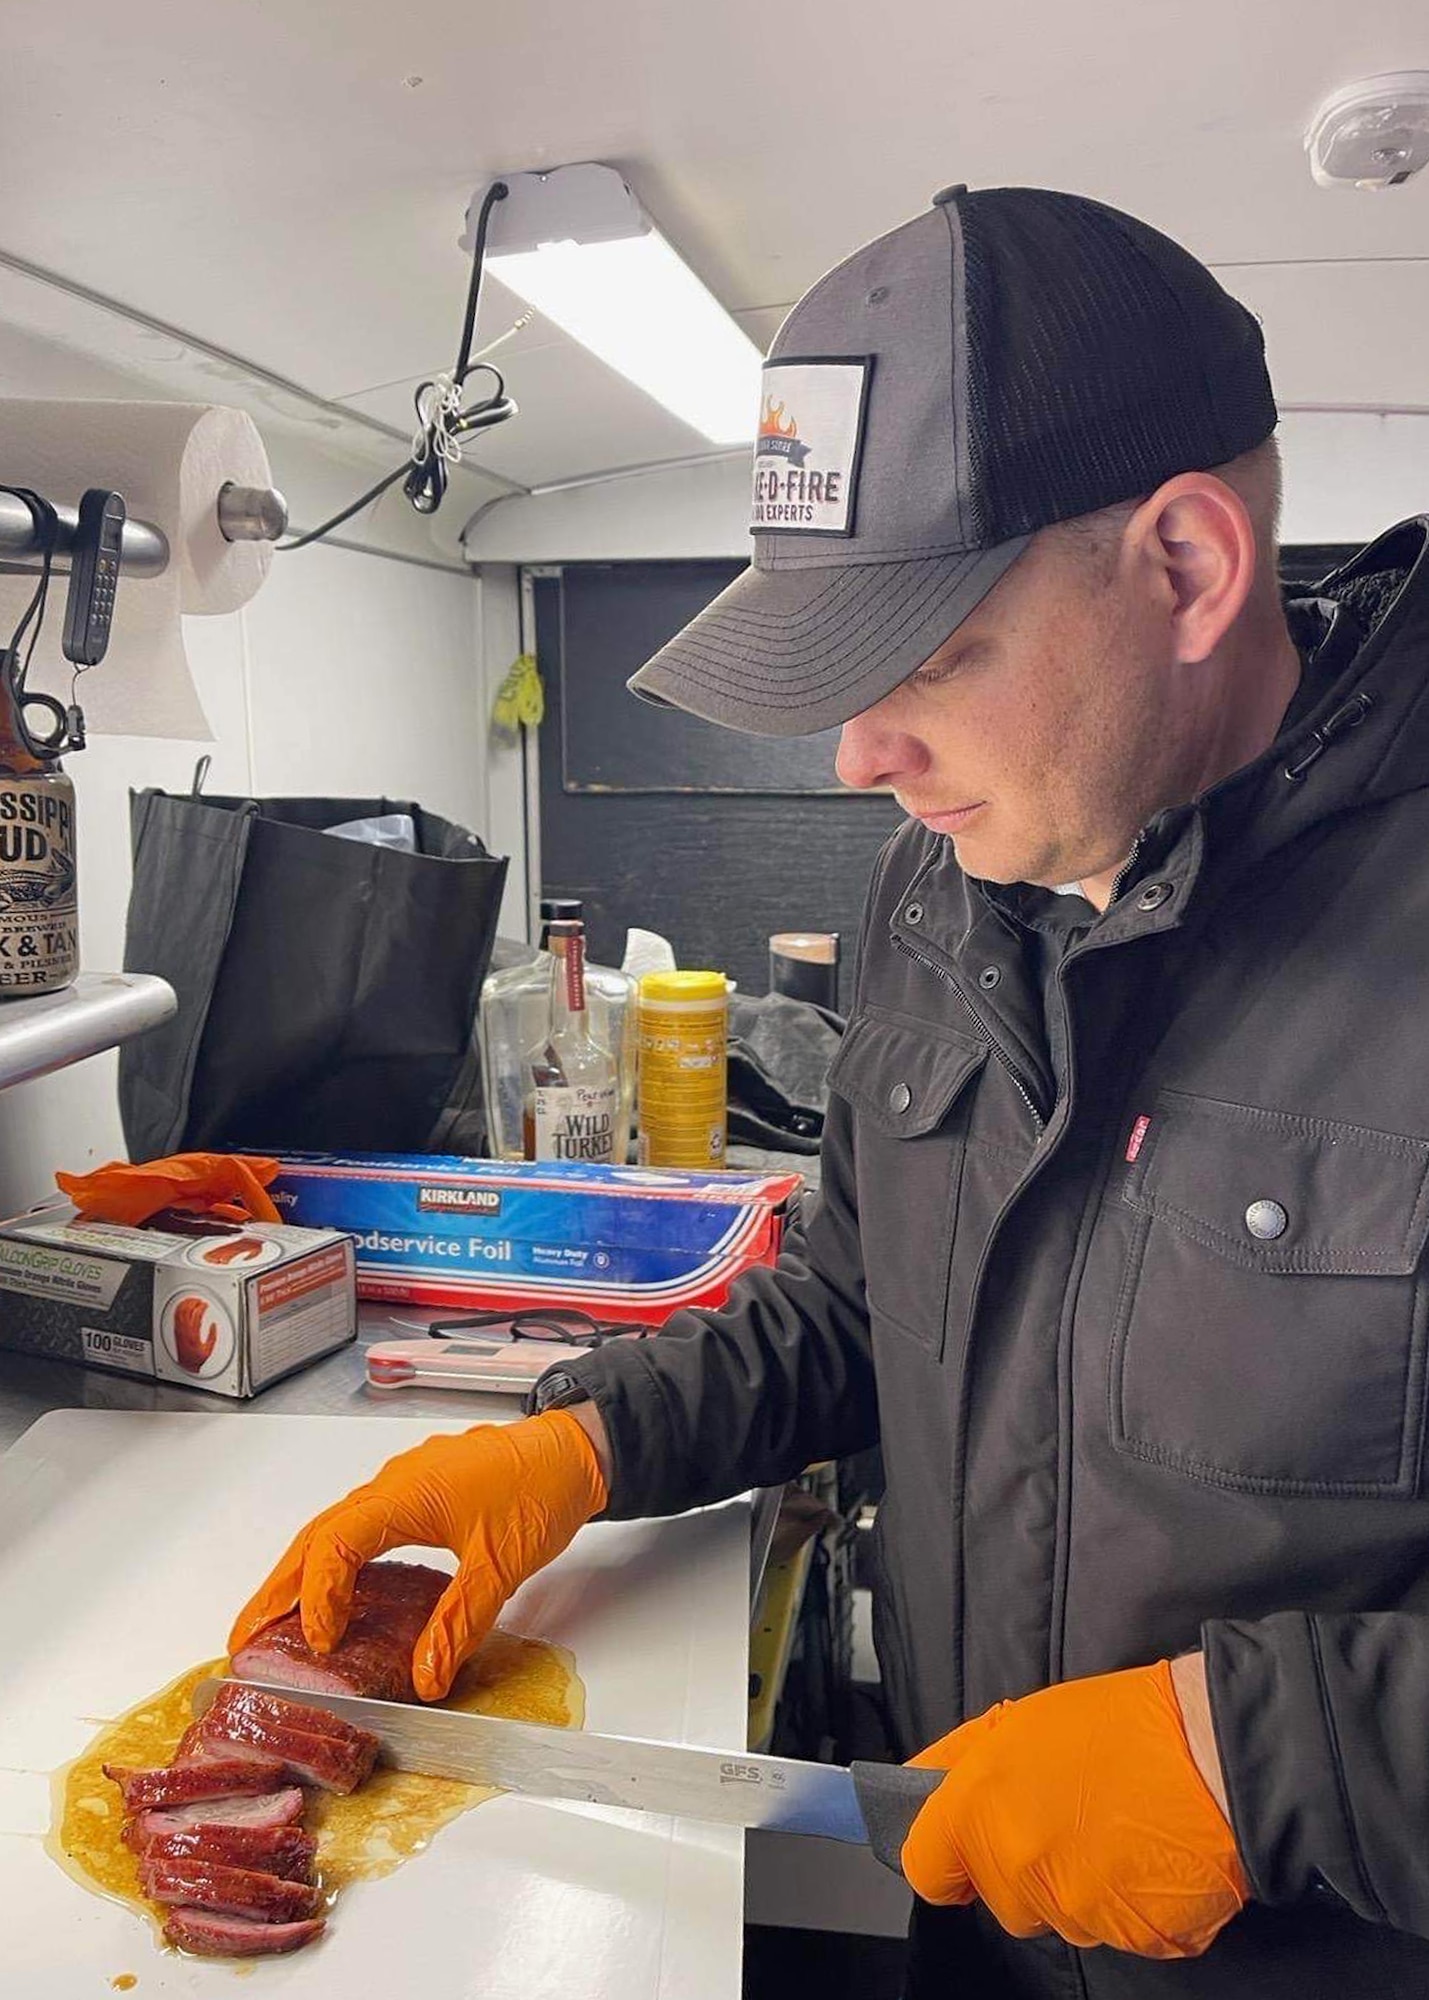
x=227, y=1313
x=631, y=1243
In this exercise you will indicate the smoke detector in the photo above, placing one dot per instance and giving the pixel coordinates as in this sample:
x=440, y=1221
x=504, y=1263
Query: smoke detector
x=1373, y=134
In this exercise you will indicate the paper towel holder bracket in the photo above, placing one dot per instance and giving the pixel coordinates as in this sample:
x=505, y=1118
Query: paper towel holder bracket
x=251, y=513
x=245, y=514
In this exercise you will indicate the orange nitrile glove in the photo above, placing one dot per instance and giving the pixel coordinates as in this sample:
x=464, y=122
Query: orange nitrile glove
x=1081, y=1810
x=504, y=1498
x=229, y=1185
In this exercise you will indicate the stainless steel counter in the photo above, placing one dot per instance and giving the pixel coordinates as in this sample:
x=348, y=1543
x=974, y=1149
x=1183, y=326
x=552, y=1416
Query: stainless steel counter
x=334, y=1387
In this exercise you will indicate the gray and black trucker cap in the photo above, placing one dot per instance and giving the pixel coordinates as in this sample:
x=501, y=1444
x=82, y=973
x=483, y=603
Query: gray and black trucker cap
x=1011, y=358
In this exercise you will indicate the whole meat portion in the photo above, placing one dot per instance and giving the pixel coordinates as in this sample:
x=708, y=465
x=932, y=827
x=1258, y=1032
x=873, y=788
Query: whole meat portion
x=391, y=1604
x=183, y=1784
x=271, y=1809
x=273, y=1850
x=208, y=1935
x=312, y=1747
x=233, y=1892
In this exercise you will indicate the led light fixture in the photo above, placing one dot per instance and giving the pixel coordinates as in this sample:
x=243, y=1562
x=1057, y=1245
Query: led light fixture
x=575, y=243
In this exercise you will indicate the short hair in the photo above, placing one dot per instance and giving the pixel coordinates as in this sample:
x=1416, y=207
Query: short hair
x=1255, y=475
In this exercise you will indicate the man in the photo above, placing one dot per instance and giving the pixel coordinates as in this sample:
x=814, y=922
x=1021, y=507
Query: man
x=1124, y=1183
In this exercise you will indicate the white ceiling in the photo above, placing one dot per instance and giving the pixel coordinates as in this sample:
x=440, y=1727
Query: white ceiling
x=286, y=179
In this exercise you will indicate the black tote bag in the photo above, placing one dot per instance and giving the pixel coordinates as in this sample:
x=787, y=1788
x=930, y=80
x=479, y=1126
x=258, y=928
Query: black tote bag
x=327, y=987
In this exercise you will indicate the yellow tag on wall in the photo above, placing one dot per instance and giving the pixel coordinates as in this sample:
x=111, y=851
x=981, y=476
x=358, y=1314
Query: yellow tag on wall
x=521, y=698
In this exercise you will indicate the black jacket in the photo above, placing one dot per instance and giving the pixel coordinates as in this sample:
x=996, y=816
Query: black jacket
x=1120, y=1254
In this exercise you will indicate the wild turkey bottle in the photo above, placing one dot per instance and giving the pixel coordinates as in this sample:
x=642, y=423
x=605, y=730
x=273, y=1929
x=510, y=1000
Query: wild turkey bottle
x=572, y=1082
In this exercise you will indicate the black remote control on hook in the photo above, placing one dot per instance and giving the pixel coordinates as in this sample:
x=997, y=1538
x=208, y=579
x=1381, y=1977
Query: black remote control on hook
x=93, y=576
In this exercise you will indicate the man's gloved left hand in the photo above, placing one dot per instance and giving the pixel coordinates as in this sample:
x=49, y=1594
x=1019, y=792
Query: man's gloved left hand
x=1081, y=1810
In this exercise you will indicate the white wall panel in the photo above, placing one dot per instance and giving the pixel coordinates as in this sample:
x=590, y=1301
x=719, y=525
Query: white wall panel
x=1349, y=475
x=348, y=673
x=511, y=768
x=363, y=679
x=687, y=514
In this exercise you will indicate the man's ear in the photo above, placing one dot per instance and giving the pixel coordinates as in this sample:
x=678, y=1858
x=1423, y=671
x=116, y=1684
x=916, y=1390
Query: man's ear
x=1196, y=532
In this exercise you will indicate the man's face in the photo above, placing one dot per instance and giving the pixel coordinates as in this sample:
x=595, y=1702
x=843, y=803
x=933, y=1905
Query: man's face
x=1044, y=734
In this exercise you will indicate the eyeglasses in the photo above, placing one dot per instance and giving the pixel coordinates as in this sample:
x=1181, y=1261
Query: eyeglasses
x=566, y=1324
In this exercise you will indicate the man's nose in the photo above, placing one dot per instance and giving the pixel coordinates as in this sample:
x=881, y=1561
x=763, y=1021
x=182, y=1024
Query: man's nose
x=871, y=753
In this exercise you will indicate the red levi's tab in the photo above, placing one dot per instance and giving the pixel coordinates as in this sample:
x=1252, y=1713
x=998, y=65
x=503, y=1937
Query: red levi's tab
x=1138, y=1134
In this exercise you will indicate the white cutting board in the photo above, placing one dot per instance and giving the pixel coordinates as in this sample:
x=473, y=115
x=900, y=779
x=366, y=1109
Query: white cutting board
x=128, y=1540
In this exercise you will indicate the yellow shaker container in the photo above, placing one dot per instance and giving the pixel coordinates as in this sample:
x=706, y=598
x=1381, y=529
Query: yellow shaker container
x=684, y=1024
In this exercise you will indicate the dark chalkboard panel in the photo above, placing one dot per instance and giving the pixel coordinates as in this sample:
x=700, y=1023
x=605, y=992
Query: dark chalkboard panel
x=714, y=872
x=1308, y=562
x=614, y=617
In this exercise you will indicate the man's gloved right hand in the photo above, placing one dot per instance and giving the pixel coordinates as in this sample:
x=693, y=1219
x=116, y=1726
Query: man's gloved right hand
x=504, y=1498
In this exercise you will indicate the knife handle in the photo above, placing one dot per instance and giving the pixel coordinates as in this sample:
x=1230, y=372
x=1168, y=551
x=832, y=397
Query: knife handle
x=890, y=1796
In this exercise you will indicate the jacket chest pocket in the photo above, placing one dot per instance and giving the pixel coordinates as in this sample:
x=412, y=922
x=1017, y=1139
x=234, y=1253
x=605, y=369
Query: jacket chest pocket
x=908, y=1084
x=1270, y=1328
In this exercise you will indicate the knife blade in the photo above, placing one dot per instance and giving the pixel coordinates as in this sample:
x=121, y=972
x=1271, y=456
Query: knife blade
x=868, y=1804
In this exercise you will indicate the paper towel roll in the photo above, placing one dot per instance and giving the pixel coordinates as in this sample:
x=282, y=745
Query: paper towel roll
x=169, y=461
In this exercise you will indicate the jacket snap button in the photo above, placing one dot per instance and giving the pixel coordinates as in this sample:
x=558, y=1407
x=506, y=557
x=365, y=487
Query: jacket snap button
x=913, y=914
x=989, y=977
x=1154, y=895
x=900, y=1097
x=1266, y=1220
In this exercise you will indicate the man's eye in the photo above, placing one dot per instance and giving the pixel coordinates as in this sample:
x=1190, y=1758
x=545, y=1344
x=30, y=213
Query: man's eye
x=934, y=672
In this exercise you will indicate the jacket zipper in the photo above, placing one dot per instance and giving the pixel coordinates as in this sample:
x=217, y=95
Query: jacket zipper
x=1125, y=869
x=930, y=965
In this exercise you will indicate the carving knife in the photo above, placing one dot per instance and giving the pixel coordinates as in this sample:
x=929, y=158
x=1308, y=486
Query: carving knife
x=870, y=1804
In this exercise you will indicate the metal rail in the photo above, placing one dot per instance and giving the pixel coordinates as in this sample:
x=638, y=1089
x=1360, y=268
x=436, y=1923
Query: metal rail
x=245, y=514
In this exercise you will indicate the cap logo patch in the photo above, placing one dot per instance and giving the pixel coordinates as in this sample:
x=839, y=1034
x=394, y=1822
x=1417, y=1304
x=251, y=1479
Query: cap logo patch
x=806, y=455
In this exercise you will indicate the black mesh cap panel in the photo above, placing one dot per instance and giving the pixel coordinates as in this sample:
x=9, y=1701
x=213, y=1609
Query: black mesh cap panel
x=1010, y=358
x=1102, y=360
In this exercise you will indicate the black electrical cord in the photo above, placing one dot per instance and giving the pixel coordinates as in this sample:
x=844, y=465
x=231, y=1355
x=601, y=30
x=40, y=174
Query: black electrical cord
x=444, y=421
x=363, y=500
x=16, y=670
x=440, y=411
x=498, y=191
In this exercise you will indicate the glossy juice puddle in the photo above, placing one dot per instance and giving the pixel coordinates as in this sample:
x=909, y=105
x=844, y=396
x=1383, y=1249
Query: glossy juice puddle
x=369, y=1833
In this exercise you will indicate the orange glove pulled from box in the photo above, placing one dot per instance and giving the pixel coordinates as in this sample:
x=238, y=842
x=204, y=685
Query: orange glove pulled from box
x=504, y=1498
x=230, y=1186
x=1080, y=1810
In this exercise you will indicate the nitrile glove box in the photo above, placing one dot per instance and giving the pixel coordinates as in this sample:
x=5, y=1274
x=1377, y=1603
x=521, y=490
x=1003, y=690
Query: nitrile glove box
x=229, y=1310
x=636, y=1243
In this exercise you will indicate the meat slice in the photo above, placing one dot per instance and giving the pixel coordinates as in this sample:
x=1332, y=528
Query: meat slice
x=195, y=1747
x=233, y=1892
x=182, y=1784
x=271, y=1809
x=275, y=1850
x=208, y=1935
x=390, y=1605
x=236, y=1705
x=314, y=1747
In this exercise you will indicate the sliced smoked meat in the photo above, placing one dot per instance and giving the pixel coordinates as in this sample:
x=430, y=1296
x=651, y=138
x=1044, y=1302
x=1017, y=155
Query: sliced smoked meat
x=197, y=1748
x=314, y=1747
x=275, y=1850
x=208, y=1935
x=390, y=1605
x=183, y=1784
x=234, y=1892
x=235, y=1702
x=271, y=1809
